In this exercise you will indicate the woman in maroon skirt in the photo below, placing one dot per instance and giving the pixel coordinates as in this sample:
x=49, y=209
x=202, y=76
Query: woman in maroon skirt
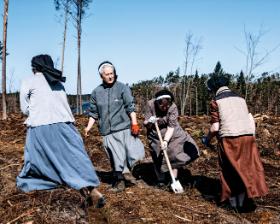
x=241, y=170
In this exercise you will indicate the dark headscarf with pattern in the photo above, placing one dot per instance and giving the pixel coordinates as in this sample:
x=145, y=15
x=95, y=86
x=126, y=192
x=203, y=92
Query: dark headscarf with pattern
x=44, y=63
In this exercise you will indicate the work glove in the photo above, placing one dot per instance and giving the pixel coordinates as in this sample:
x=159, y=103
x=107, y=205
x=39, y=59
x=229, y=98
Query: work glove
x=135, y=129
x=164, y=145
x=152, y=119
x=205, y=141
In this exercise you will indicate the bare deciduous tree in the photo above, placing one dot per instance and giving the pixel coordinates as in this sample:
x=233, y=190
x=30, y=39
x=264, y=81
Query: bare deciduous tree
x=78, y=14
x=65, y=6
x=254, y=58
x=4, y=54
x=191, y=52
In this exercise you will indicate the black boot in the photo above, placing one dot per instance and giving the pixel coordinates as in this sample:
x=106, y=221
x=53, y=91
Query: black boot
x=248, y=206
x=130, y=179
x=118, y=182
x=87, y=200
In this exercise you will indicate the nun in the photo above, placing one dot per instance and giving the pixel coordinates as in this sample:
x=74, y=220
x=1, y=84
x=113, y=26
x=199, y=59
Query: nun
x=180, y=146
x=241, y=171
x=54, y=153
x=112, y=106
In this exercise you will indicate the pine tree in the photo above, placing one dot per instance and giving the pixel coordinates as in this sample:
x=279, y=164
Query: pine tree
x=218, y=69
x=241, y=83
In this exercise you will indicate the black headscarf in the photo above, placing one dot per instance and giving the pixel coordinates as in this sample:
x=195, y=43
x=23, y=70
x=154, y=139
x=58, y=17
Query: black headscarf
x=44, y=63
x=108, y=63
x=216, y=82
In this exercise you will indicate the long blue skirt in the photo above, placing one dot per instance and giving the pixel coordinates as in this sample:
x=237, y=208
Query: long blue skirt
x=55, y=155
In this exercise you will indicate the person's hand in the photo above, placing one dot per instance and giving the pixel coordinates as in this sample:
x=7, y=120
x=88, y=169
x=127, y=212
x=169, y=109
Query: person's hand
x=164, y=145
x=86, y=131
x=135, y=129
x=152, y=119
x=205, y=141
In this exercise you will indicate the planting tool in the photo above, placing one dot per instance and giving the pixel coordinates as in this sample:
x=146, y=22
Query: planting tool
x=176, y=185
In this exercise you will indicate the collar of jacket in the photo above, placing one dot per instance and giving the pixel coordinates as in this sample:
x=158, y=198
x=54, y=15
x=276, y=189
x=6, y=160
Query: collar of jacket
x=105, y=85
x=222, y=89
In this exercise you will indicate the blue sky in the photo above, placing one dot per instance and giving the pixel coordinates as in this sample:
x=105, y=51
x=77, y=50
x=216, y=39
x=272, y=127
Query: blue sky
x=143, y=38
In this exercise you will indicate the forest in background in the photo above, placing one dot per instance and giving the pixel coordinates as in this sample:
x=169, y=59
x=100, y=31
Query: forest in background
x=192, y=97
x=191, y=94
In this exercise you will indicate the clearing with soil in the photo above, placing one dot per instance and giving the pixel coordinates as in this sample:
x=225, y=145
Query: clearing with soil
x=144, y=202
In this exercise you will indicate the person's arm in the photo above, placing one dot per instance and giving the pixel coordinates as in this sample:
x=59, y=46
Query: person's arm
x=93, y=113
x=215, y=120
x=172, y=121
x=133, y=118
x=215, y=124
x=168, y=135
x=149, y=118
x=128, y=101
x=24, y=98
x=135, y=129
x=213, y=130
x=91, y=122
x=129, y=107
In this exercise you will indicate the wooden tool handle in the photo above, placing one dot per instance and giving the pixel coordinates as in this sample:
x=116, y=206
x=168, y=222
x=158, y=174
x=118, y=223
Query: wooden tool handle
x=165, y=153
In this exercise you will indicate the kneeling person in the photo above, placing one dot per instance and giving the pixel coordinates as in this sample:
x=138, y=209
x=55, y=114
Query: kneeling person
x=181, y=148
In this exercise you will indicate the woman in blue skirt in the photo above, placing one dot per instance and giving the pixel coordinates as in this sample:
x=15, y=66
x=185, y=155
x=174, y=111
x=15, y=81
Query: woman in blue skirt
x=54, y=153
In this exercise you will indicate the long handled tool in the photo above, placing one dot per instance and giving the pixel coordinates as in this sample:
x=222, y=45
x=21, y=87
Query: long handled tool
x=176, y=185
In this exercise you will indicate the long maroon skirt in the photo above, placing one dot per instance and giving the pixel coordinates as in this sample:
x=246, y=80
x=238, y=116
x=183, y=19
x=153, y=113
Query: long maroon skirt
x=241, y=169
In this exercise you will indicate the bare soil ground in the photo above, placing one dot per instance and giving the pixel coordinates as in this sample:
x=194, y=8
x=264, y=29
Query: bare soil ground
x=145, y=202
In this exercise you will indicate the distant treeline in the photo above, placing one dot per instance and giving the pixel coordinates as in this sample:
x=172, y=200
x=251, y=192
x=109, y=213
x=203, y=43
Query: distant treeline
x=191, y=96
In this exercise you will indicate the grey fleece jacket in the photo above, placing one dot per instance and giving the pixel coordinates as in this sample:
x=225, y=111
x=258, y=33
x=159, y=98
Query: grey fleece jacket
x=111, y=106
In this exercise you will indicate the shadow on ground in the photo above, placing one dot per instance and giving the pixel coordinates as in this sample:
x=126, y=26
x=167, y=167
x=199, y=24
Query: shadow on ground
x=207, y=186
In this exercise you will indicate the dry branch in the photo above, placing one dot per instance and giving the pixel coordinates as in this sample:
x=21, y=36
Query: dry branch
x=193, y=210
x=24, y=214
x=4, y=167
x=272, y=207
x=184, y=219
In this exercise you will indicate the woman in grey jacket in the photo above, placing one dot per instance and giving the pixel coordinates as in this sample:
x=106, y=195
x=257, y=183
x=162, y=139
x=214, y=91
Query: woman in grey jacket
x=112, y=104
x=54, y=152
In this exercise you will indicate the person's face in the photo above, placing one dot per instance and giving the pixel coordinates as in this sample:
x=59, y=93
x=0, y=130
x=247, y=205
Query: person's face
x=108, y=75
x=163, y=105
